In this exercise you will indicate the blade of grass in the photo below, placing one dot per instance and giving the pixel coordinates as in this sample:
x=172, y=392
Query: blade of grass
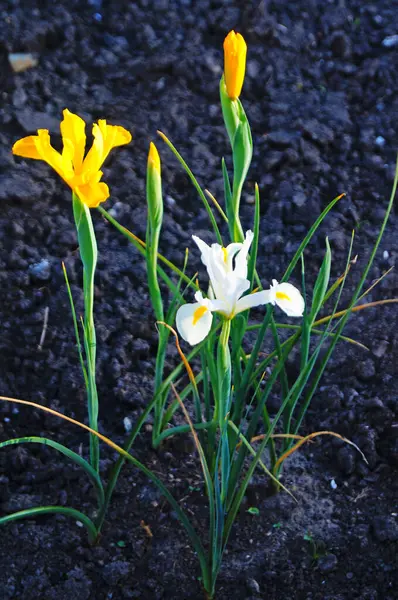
x=75, y=326
x=76, y=458
x=196, y=185
x=196, y=543
x=72, y=513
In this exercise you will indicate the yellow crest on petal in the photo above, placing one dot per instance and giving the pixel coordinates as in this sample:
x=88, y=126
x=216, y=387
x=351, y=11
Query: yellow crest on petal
x=282, y=296
x=198, y=314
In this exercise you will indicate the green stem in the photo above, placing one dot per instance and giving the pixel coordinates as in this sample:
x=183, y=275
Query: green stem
x=88, y=254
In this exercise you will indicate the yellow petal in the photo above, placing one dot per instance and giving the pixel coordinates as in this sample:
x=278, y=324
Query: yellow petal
x=39, y=147
x=106, y=137
x=74, y=137
x=27, y=148
x=93, y=194
x=60, y=164
x=94, y=160
x=235, y=50
x=114, y=135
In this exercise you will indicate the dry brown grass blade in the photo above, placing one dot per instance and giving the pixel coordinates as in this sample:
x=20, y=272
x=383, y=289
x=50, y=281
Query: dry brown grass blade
x=310, y=437
x=341, y=313
x=182, y=355
x=50, y=411
x=192, y=428
x=258, y=438
x=376, y=282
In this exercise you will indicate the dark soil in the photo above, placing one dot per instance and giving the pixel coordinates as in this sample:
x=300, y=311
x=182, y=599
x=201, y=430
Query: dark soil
x=321, y=95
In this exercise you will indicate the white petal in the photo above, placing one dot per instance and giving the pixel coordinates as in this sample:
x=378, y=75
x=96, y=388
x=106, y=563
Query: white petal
x=251, y=300
x=204, y=249
x=193, y=322
x=235, y=287
x=211, y=304
x=289, y=299
x=229, y=253
x=241, y=259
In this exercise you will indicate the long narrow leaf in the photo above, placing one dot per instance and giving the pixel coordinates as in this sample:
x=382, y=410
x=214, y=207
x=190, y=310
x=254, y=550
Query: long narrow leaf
x=72, y=513
x=79, y=460
x=196, y=185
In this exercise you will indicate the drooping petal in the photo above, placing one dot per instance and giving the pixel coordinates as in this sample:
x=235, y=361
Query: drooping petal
x=241, y=259
x=92, y=194
x=73, y=131
x=27, y=148
x=114, y=135
x=288, y=298
x=106, y=137
x=39, y=147
x=193, y=322
x=252, y=300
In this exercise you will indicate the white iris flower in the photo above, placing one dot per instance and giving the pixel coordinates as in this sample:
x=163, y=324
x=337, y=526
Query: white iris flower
x=227, y=270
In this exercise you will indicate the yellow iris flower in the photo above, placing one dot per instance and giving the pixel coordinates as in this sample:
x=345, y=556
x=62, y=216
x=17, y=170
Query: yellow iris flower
x=82, y=174
x=235, y=51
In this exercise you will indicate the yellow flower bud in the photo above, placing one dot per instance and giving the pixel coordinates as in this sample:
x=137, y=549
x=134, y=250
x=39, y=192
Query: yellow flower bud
x=235, y=50
x=153, y=157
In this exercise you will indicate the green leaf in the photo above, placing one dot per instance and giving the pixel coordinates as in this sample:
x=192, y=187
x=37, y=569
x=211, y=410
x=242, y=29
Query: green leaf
x=242, y=151
x=88, y=254
x=196, y=186
x=227, y=194
x=76, y=328
x=251, y=269
x=308, y=237
x=321, y=284
x=230, y=112
x=253, y=511
x=79, y=460
x=48, y=510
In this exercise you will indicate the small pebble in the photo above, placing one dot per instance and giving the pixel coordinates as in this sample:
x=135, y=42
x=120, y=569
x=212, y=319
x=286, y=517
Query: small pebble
x=327, y=563
x=40, y=271
x=128, y=425
x=253, y=586
x=333, y=484
x=391, y=41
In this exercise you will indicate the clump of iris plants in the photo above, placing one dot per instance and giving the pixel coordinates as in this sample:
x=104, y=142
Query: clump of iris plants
x=223, y=394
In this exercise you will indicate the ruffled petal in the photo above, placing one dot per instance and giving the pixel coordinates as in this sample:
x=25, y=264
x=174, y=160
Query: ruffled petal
x=114, y=135
x=27, y=148
x=106, y=137
x=92, y=194
x=39, y=147
x=193, y=322
x=94, y=159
